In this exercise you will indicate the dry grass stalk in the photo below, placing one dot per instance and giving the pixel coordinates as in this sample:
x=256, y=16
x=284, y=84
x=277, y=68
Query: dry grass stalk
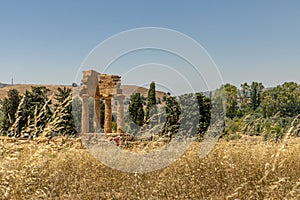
x=54, y=125
x=233, y=170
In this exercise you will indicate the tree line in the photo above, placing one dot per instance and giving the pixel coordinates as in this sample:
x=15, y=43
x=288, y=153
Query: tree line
x=34, y=114
x=249, y=109
x=190, y=112
x=269, y=112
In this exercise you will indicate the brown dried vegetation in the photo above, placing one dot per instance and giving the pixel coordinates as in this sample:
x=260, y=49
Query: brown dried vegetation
x=62, y=169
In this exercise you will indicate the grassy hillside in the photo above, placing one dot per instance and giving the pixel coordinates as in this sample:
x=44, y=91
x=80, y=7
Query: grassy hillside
x=127, y=89
x=23, y=87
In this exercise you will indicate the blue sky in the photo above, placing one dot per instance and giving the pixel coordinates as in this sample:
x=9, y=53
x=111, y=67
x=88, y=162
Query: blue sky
x=46, y=41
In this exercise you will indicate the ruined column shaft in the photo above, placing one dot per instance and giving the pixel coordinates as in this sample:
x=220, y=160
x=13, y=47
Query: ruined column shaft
x=108, y=115
x=120, y=115
x=97, y=114
x=85, y=114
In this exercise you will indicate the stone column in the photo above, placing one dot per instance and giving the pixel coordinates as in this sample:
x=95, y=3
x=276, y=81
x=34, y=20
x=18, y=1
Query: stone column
x=108, y=115
x=120, y=114
x=97, y=113
x=85, y=114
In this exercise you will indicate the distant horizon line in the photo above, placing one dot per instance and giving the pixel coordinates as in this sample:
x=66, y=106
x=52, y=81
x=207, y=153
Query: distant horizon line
x=62, y=84
x=33, y=83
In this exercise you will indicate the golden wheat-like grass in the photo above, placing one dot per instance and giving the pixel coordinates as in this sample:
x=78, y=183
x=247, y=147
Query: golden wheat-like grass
x=63, y=169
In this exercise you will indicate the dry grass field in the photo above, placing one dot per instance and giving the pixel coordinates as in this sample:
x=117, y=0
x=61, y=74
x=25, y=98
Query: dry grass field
x=62, y=169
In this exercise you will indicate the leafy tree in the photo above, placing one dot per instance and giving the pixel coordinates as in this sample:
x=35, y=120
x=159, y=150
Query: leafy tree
x=151, y=108
x=189, y=118
x=195, y=113
x=136, y=110
x=37, y=100
x=9, y=108
x=244, y=97
x=231, y=101
x=62, y=94
x=218, y=106
x=283, y=99
x=250, y=97
x=173, y=112
x=67, y=123
x=204, y=104
x=35, y=111
x=255, y=94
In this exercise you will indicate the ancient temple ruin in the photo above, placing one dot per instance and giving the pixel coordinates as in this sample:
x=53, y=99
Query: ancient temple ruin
x=98, y=86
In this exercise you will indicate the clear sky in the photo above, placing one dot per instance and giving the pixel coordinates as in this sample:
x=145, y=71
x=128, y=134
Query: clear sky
x=46, y=41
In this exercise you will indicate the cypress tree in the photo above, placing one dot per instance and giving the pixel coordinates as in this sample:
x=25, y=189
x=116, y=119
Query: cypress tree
x=151, y=109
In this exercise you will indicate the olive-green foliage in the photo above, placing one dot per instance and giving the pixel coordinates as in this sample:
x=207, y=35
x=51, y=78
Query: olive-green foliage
x=173, y=112
x=250, y=97
x=34, y=114
x=255, y=94
x=151, y=108
x=67, y=123
x=218, y=106
x=189, y=113
x=204, y=104
x=231, y=101
x=195, y=113
x=268, y=112
x=9, y=106
x=272, y=128
x=36, y=102
x=244, y=97
x=233, y=126
x=283, y=99
x=136, y=110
